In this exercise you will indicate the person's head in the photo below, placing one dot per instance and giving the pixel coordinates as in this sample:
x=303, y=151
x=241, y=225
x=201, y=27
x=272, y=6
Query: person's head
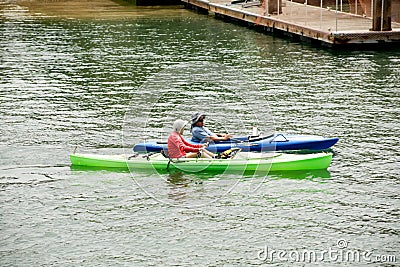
x=197, y=119
x=179, y=126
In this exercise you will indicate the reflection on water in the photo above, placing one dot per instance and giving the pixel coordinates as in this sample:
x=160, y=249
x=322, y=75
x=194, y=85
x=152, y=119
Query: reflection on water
x=179, y=177
x=315, y=175
x=95, y=9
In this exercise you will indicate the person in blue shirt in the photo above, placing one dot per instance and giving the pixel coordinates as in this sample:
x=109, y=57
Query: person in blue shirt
x=203, y=134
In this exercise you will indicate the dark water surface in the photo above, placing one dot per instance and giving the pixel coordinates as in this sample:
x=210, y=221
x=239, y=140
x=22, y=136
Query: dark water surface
x=68, y=82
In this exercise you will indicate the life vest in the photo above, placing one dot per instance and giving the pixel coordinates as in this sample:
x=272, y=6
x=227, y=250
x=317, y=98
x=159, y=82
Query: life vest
x=230, y=153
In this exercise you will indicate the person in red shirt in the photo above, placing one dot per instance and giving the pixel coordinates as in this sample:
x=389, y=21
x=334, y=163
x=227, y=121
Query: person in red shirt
x=178, y=147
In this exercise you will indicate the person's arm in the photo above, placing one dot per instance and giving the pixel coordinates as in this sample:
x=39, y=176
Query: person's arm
x=220, y=138
x=216, y=137
x=186, y=143
x=187, y=147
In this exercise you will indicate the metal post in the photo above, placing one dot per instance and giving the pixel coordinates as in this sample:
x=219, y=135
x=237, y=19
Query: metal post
x=306, y=12
x=383, y=5
x=356, y=7
x=320, y=16
x=336, y=13
x=279, y=7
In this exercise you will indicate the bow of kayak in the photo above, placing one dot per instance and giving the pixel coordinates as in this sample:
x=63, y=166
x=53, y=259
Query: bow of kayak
x=270, y=162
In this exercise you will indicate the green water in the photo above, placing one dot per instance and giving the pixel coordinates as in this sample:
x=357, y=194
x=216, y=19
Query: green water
x=98, y=83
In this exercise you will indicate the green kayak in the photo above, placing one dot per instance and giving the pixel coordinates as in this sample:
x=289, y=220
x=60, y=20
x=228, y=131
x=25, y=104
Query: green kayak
x=245, y=161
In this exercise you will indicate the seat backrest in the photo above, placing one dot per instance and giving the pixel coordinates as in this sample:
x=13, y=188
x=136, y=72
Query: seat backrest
x=165, y=154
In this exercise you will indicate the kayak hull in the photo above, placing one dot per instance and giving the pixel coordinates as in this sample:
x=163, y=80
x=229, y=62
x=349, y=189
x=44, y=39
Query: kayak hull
x=277, y=142
x=278, y=162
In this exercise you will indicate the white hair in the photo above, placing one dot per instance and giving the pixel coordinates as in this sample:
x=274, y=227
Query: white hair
x=179, y=125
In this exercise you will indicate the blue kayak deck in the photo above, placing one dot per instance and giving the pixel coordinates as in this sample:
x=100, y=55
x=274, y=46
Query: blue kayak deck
x=276, y=142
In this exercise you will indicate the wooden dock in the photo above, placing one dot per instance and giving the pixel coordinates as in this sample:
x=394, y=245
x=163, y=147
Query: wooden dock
x=321, y=26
